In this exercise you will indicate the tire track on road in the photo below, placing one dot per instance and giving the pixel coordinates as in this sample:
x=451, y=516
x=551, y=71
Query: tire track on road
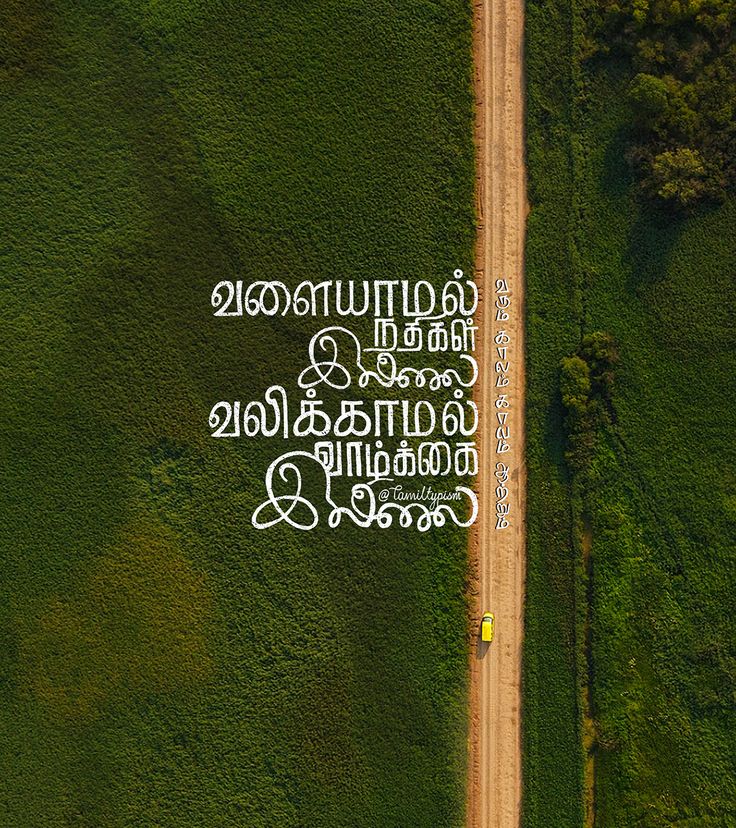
x=494, y=786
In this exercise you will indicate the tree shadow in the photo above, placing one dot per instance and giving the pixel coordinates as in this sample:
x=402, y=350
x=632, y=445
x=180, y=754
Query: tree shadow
x=653, y=236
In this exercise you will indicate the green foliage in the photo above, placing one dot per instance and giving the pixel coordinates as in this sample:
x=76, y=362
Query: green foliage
x=575, y=384
x=553, y=756
x=24, y=42
x=683, y=95
x=658, y=496
x=586, y=383
x=162, y=662
x=600, y=352
x=582, y=412
x=650, y=96
x=680, y=176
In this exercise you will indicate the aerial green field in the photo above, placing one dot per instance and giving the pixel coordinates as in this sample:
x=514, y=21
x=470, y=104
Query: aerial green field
x=162, y=662
x=631, y=552
x=553, y=760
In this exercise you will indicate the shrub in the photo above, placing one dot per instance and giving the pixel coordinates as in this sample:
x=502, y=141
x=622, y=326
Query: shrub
x=575, y=383
x=586, y=381
x=649, y=95
x=680, y=176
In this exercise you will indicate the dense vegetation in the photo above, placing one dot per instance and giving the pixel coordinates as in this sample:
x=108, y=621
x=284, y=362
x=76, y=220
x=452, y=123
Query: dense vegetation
x=633, y=536
x=162, y=663
x=586, y=386
x=553, y=761
x=683, y=92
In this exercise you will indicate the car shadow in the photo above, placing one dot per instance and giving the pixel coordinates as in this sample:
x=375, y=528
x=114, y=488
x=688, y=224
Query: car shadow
x=481, y=647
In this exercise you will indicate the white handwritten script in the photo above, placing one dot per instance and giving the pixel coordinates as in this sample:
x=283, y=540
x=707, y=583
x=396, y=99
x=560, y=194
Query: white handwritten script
x=502, y=403
x=377, y=445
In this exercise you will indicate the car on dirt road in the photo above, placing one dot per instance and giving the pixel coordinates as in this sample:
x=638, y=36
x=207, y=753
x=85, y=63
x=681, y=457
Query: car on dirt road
x=487, y=627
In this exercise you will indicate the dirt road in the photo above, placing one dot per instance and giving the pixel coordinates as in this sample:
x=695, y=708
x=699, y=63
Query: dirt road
x=494, y=790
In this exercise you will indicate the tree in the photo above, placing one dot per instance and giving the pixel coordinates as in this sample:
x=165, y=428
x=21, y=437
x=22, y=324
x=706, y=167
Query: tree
x=680, y=176
x=598, y=349
x=649, y=96
x=575, y=384
x=684, y=52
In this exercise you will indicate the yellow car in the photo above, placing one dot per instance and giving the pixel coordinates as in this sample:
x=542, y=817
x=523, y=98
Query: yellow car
x=487, y=626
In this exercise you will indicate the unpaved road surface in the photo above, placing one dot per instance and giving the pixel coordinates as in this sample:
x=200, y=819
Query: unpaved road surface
x=494, y=787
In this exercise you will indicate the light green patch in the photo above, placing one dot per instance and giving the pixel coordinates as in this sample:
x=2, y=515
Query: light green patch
x=137, y=624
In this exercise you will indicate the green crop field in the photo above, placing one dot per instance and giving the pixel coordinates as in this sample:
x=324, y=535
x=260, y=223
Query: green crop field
x=646, y=620
x=162, y=662
x=553, y=766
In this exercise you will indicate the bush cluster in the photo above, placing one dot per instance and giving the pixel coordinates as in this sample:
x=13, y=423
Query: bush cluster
x=684, y=55
x=586, y=382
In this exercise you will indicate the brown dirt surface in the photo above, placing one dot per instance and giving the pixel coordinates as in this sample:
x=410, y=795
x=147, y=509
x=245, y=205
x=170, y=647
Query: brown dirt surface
x=498, y=555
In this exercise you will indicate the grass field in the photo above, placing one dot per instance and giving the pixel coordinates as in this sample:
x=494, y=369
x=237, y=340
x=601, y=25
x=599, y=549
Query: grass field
x=658, y=498
x=162, y=663
x=553, y=766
